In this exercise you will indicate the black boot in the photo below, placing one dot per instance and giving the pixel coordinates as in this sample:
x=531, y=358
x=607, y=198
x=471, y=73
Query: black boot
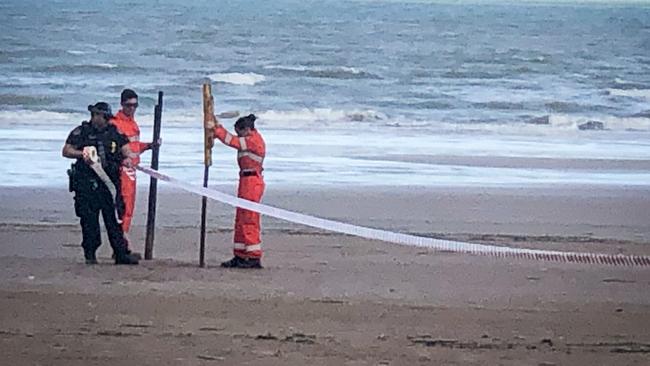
x=237, y=262
x=233, y=263
x=137, y=255
x=252, y=263
x=126, y=259
x=90, y=256
x=128, y=246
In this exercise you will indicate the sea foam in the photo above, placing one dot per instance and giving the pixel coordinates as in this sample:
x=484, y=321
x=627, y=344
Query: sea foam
x=237, y=78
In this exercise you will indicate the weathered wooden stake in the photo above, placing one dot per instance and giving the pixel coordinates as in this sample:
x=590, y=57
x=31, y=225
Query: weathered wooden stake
x=153, y=182
x=208, y=116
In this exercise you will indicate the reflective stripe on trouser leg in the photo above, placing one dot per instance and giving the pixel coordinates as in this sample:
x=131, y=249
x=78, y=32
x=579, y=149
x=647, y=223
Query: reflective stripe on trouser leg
x=248, y=251
x=247, y=223
x=128, y=189
x=247, y=234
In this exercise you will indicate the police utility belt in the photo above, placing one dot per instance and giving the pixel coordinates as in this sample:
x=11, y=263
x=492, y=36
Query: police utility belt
x=81, y=179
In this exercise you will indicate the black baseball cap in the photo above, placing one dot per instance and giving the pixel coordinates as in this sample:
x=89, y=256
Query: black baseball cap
x=101, y=107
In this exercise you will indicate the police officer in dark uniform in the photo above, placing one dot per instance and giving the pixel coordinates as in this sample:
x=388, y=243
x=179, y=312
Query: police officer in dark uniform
x=95, y=178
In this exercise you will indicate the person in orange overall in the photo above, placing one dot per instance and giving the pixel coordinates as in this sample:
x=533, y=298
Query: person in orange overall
x=125, y=122
x=250, y=156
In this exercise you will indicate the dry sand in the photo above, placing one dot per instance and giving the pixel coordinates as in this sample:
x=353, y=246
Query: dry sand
x=328, y=299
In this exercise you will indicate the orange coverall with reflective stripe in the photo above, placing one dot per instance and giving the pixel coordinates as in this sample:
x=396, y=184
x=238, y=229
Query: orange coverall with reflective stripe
x=129, y=127
x=250, y=157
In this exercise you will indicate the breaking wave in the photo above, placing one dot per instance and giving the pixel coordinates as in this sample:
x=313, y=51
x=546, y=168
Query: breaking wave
x=348, y=119
x=237, y=78
x=82, y=69
x=318, y=116
x=338, y=72
x=631, y=93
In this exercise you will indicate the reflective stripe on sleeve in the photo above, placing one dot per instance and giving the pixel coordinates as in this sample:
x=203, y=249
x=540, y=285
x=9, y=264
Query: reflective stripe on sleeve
x=228, y=138
x=242, y=144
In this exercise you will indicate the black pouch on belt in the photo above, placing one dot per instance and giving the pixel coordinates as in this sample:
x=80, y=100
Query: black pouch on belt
x=72, y=178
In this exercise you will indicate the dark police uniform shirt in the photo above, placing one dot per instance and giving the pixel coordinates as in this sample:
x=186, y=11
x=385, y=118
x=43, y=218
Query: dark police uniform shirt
x=108, y=142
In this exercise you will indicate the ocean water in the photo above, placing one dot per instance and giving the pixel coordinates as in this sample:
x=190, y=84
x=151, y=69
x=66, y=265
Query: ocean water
x=346, y=91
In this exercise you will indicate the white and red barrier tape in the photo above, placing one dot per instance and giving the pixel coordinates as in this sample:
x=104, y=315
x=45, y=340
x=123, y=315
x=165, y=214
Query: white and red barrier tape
x=405, y=239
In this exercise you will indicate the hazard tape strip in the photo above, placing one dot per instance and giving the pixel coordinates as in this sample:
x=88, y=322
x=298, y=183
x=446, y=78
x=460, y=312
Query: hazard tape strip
x=405, y=239
x=96, y=166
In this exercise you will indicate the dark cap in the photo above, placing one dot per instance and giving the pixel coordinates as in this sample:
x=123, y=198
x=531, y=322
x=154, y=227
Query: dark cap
x=247, y=121
x=101, y=107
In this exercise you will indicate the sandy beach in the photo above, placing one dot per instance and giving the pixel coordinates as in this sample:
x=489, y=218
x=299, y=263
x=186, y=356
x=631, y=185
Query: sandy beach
x=329, y=299
x=523, y=124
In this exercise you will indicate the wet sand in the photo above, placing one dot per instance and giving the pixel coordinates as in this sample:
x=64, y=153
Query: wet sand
x=329, y=299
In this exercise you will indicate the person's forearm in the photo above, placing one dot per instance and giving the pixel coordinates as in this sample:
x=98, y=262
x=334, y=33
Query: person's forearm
x=72, y=153
x=222, y=134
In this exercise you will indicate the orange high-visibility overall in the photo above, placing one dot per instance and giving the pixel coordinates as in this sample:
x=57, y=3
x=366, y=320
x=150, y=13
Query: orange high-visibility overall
x=128, y=127
x=250, y=156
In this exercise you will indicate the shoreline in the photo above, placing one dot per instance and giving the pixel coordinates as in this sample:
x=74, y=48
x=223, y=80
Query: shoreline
x=517, y=162
x=589, y=212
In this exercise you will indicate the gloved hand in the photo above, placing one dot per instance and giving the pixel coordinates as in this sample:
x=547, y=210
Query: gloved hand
x=86, y=157
x=213, y=123
x=128, y=162
x=151, y=145
x=89, y=154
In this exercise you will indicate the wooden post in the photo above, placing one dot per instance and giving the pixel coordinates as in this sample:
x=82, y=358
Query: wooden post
x=153, y=182
x=208, y=116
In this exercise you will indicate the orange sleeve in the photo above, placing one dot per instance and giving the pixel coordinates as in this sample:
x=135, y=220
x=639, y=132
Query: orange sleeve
x=226, y=137
x=142, y=146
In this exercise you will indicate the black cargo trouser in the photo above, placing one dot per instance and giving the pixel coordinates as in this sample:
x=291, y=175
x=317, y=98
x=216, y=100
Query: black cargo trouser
x=88, y=205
